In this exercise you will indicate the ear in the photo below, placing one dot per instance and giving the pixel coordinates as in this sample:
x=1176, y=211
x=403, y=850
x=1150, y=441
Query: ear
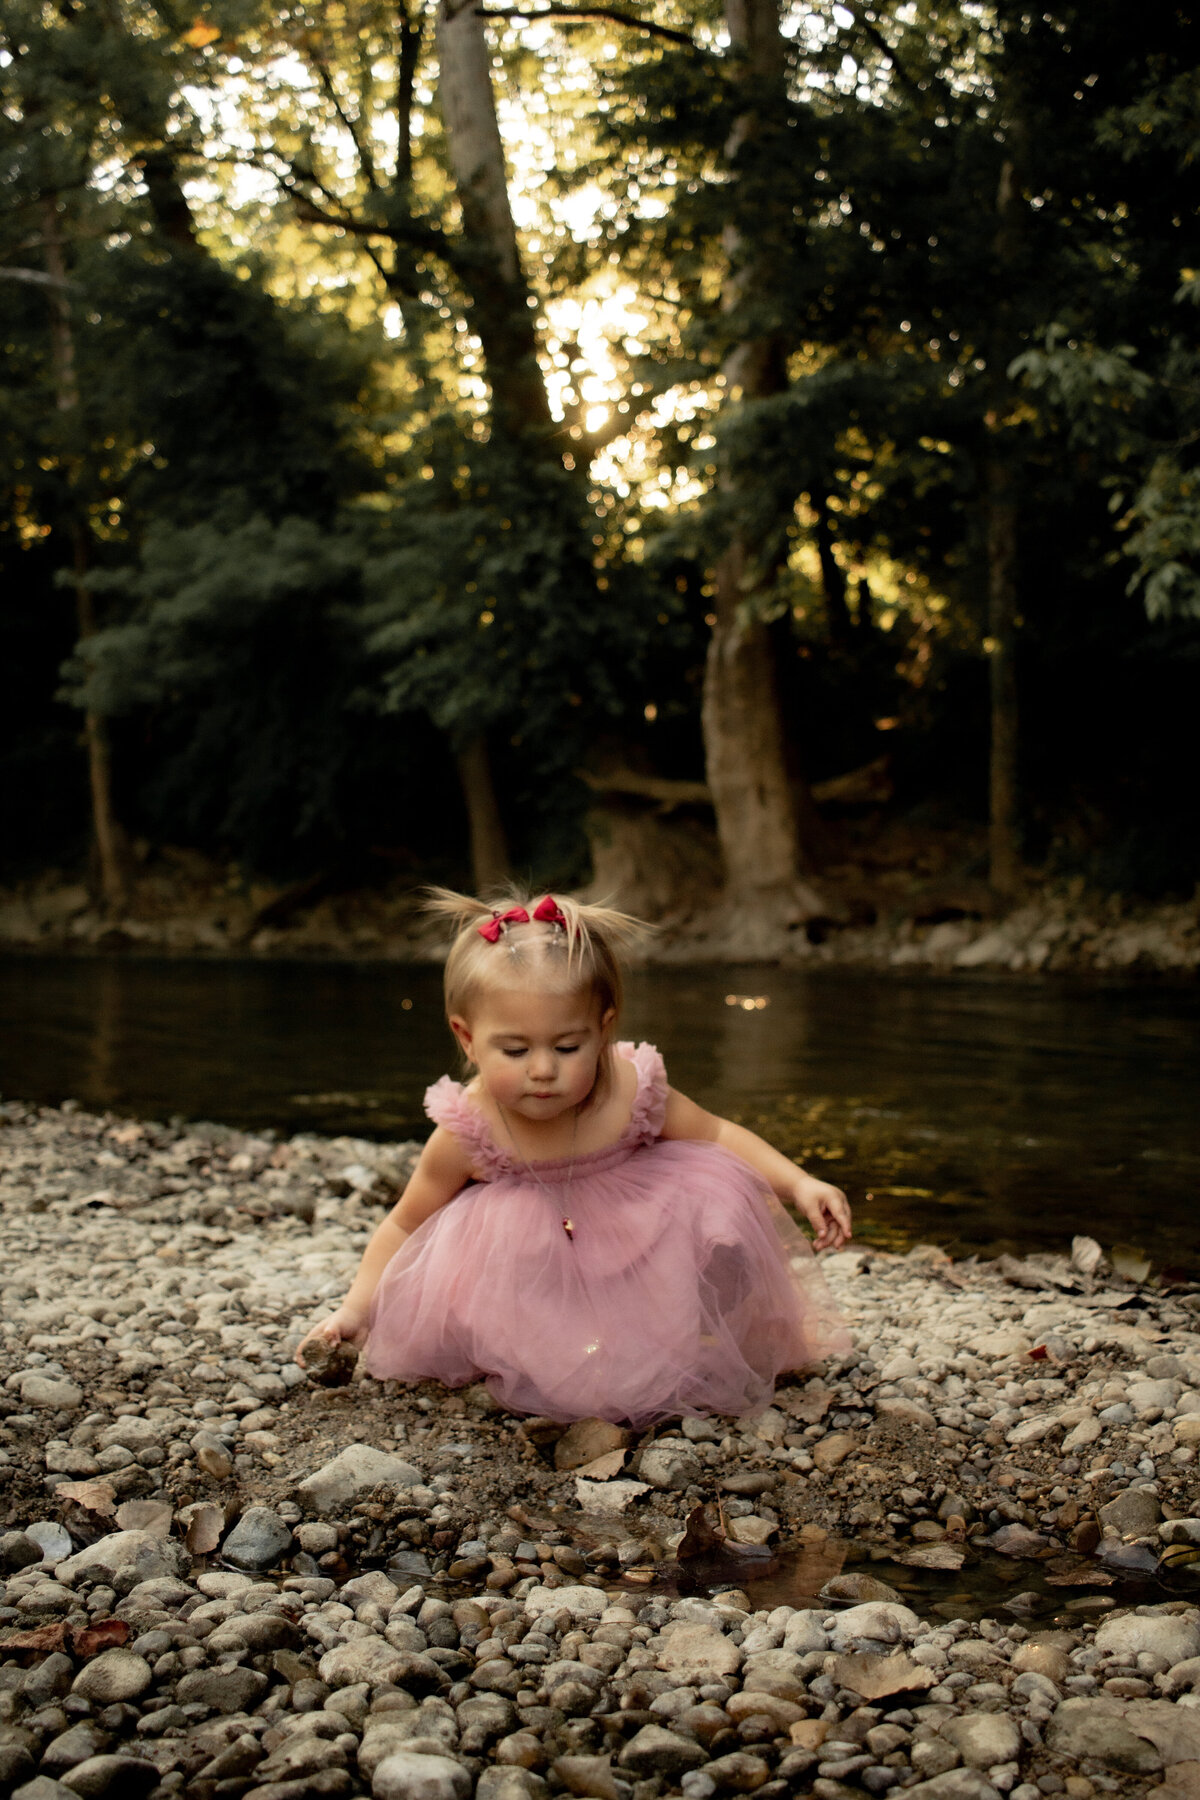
x=462, y=1032
x=606, y=1019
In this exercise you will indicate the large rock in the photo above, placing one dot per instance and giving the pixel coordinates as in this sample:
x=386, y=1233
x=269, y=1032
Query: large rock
x=121, y=1777
x=1135, y=1513
x=694, y=1654
x=258, y=1540
x=44, y=1787
x=51, y=1391
x=1094, y=1728
x=407, y=1775
x=369, y=1660
x=114, y=1675
x=581, y=1602
x=955, y=1784
x=669, y=1464
x=778, y=1672
x=510, y=1783
x=17, y=1551
x=878, y=1622
x=656, y=1751
x=225, y=1690
x=984, y=1739
x=1165, y=1635
x=359, y=1468
x=125, y=1558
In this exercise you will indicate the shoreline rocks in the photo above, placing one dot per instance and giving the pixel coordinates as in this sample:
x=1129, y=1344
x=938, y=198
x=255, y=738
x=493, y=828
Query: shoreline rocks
x=238, y=1583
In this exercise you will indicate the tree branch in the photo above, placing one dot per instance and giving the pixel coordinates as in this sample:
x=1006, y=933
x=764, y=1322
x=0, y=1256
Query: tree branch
x=582, y=13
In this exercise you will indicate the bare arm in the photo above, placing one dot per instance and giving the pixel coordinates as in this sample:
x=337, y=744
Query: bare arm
x=441, y=1173
x=825, y=1207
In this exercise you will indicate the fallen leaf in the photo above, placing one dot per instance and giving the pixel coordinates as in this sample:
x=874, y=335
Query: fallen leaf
x=94, y=1496
x=603, y=1468
x=1132, y=1263
x=875, y=1677
x=103, y=1634
x=203, y=1525
x=42, y=1641
x=145, y=1515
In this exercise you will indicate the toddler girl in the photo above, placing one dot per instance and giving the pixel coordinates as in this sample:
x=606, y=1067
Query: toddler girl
x=589, y=1241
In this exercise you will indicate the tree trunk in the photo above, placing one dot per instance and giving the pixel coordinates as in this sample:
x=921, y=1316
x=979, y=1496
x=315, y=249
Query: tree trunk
x=500, y=310
x=744, y=740
x=489, y=846
x=833, y=580
x=1001, y=520
x=106, y=830
x=1003, y=810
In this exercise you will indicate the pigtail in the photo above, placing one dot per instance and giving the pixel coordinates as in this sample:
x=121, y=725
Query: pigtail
x=597, y=931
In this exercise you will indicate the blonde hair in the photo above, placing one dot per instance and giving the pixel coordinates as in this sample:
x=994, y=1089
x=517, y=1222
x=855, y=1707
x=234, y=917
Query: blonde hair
x=580, y=955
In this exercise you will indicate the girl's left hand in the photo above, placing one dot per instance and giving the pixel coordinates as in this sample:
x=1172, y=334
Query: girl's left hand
x=827, y=1210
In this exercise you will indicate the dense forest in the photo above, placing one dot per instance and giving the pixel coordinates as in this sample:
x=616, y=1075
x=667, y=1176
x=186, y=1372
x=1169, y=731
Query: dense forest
x=432, y=426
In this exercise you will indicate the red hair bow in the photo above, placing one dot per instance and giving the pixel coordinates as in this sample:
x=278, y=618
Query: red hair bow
x=516, y=915
x=546, y=912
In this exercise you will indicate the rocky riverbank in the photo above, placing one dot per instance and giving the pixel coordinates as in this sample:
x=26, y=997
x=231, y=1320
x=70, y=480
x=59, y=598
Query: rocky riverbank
x=222, y=1581
x=943, y=925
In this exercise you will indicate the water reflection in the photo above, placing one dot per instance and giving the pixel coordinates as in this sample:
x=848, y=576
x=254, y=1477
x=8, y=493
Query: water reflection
x=977, y=1113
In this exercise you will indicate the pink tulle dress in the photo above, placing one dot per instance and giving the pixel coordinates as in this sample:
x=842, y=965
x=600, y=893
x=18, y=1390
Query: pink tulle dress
x=684, y=1288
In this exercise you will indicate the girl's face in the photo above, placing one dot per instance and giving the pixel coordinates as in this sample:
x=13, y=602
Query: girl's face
x=537, y=1054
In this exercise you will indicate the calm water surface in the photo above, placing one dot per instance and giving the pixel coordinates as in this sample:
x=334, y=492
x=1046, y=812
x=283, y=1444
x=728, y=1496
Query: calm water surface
x=976, y=1114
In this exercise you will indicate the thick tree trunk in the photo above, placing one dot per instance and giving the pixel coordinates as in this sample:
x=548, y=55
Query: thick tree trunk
x=106, y=830
x=500, y=310
x=1003, y=810
x=489, y=846
x=1001, y=530
x=744, y=740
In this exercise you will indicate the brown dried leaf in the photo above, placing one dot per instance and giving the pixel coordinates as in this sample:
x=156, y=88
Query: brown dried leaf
x=102, y=1634
x=145, y=1515
x=876, y=1677
x=40, y=1641
x=94, y=1496
x=205, y=1524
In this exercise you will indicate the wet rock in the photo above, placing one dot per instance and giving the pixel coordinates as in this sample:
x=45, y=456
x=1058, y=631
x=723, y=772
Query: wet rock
x=656, y=1751
x=359, y=1468
x=1174, y=1639
x=407, y=1775
x=258, y=1540
x=113, y=1676
x=587, y=1440
x=1017, y=1540
x=1135, y=1513
x=122, y=1777
x=859, y=1588
x=984, y=1739
x=1089, y=1728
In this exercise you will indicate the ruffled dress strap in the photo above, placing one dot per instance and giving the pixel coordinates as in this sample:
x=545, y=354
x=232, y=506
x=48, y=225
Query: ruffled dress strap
x=448, y=1104
x=649, y=1108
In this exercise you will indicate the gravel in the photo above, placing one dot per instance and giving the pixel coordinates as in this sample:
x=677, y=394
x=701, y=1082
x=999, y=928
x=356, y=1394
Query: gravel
x=220, y=1581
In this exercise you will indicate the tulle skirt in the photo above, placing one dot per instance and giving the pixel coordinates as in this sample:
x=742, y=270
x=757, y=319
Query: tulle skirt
x=682, y=1289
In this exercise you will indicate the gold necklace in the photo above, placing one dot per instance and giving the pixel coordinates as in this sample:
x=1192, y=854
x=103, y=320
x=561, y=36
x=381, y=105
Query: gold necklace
x=568, y=1224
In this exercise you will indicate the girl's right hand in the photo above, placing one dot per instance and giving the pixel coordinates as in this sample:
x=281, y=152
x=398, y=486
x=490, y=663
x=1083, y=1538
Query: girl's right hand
x=341, y=1327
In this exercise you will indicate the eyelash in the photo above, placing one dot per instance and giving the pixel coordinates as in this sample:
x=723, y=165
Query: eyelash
x=563, y=1050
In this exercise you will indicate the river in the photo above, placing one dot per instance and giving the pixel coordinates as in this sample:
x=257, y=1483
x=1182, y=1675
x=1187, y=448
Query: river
x=978, y=1114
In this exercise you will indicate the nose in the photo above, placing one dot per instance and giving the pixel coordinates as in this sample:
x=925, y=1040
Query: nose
x=543, y=1065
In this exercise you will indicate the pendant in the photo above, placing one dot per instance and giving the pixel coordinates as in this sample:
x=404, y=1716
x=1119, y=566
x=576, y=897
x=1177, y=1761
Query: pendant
x=568, y=1226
